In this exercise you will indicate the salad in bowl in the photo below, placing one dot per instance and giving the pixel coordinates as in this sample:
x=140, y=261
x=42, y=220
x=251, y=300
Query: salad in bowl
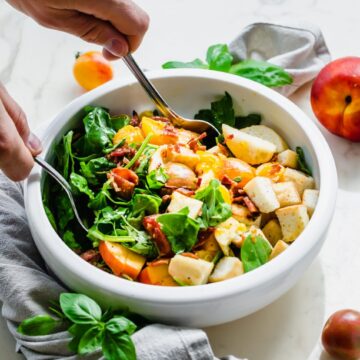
x=167, y=206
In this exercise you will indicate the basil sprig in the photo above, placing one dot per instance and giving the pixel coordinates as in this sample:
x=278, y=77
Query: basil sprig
x=91, y=328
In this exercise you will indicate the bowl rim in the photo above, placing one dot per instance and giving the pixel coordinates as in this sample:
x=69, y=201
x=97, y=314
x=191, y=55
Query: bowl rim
x=188, y=294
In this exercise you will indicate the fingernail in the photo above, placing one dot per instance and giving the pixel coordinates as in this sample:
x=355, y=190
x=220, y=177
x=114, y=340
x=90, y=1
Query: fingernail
x=116, y=47
x=33, y=143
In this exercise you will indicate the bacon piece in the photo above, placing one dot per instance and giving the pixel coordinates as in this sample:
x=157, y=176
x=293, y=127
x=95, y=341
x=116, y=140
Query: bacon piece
x=194, y=142
x=190, y=255
x=90, y=255
x=157, y=235
x=245, y=201
x=203, y=236
x=123, y=181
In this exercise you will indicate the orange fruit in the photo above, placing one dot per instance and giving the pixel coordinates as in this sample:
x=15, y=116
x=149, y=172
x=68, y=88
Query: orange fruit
x=91, y=70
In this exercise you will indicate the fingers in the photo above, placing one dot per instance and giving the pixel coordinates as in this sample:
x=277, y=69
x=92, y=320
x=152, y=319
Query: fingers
x=124, y=15
x=19, y=119
x=15, y=158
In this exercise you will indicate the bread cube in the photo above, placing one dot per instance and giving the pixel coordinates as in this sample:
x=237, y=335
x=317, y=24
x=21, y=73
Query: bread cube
x=293, y=220
x=279, y=247
x=249, y=148
x=288, y=158
x=301, y=180
x=287, y=193
x=189, y=271
x=180, y=201
x=268, y=134
x=272, y=231
x=227, y=268
x=227, y=232
x=310, y=198
x=261, y=192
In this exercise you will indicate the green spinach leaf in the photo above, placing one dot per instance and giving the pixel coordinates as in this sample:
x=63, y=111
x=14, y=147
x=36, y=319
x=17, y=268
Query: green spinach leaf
x=214, y=210
x=254, y=252
x=157, y=178
x=180, y=230
x=119, y=121
x=80, y=184
x=69, y=239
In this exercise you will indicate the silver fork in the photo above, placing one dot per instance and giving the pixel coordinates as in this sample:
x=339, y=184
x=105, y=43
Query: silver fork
x=65, y=185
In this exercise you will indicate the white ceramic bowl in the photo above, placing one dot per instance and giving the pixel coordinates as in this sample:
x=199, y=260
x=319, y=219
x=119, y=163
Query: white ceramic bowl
x=188, y=91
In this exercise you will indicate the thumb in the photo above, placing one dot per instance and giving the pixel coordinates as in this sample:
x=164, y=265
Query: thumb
x=98, y=32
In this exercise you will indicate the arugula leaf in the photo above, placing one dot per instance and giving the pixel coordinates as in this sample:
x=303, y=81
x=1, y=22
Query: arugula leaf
x=91, y=340
x=38, y=325
x=221, y=112
x=247, y=120
x=80, y=309
x=102, y=198
x=120, y=121
x=180, y=230
x=98, y=130
x=303, y=165
x=118, y=347
x=96, y=235
x=81, y=185
x=214, y=210
x=262, y=72
x=254, y=252
x=142, y=205
x=219, y=58
x=157, y=178
x=196, y=64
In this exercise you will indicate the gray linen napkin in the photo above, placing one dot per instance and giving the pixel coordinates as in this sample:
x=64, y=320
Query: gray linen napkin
x=299, y=48
x=25, y=286
x=26, y=289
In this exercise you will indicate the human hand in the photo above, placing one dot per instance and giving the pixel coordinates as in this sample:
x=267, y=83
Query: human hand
x=117, y=25
x=17, y=144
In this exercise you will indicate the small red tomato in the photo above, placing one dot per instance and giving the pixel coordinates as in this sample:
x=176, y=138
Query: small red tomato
x=341, y=335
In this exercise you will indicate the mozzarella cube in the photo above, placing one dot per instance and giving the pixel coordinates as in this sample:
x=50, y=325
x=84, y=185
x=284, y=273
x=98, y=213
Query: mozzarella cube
x=293, y=220
x=301, y=180
x=243, y=215
x=189, y=271
x=261, y=192
x=287, y=193
x=279, y=247
x=229, y=232
x=227, y=268
x=268, y=134
x=288, y=158
x=272, y=231
x=310, y=198
x=249, y=148
x=180, y=201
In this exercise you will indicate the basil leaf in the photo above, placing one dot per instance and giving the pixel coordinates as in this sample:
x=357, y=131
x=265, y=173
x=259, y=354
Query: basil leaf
x=80, y=309
x=302, y=164
x=254, y=252
x=38, y=325
x=91, y=340
x=156, y=179
x=77, y=331
x=181, y=231
x=196, y=64
x=118, y=347
x=262, y=72
x=219, y=57
x=119, y=121
x=214, y=210
x=247, y=120
x=221, y=112
x=81, y=185
x=120, y=324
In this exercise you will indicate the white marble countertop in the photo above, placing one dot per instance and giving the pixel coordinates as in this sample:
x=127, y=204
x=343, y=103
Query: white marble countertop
x=36, y=67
